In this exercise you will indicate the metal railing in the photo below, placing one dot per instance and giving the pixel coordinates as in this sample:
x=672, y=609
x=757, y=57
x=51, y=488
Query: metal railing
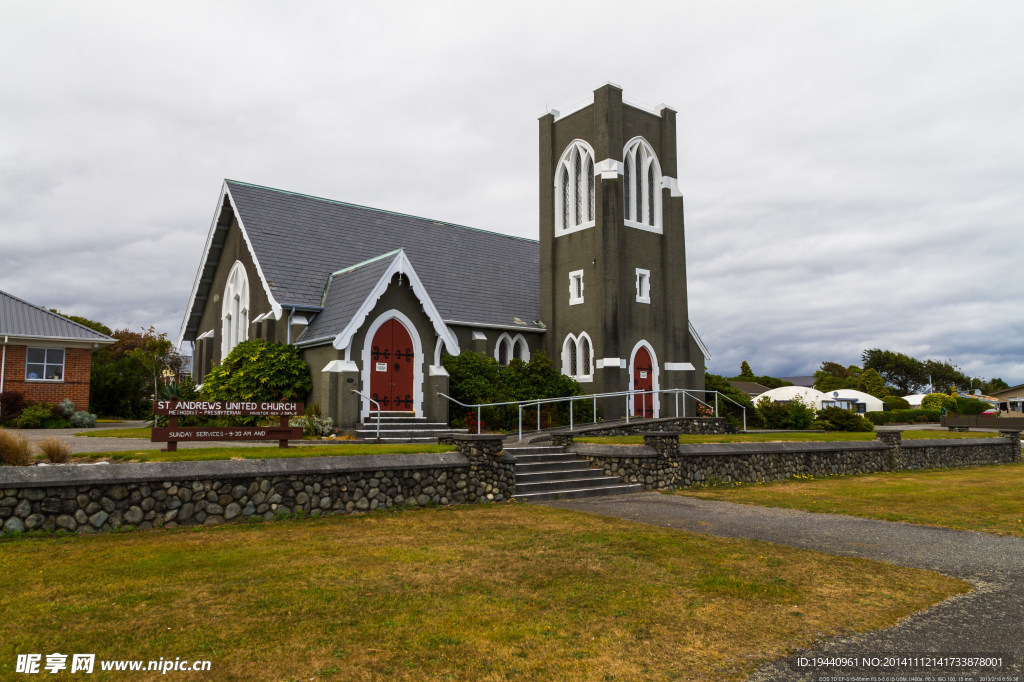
x=359, y=393
x=593, y=397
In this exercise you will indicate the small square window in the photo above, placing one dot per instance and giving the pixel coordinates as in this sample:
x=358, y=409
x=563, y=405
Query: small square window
x=44, y=364
x=575, y=287
x=643, y=286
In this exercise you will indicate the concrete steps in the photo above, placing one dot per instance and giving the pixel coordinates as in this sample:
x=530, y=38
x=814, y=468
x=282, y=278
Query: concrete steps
x=402, y=427
x=551, y=473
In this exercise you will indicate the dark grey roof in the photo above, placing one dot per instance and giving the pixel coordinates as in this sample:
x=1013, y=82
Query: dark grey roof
x=806, y=382
x=21, y=318
x=471, y=275
x=749, y=387
x=345, y=293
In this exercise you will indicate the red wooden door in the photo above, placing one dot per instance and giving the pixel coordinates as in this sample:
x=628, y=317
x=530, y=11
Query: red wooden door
x=643, y=380
x=392, y=362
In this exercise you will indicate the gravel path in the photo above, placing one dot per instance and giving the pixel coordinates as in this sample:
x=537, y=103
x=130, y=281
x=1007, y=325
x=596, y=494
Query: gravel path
x=987, y=621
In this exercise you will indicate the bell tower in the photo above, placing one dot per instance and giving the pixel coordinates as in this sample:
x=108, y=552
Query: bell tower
x=613, y=254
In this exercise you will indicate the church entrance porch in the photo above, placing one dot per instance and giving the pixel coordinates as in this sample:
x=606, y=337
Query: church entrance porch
x=643, y=376
x=392, y=369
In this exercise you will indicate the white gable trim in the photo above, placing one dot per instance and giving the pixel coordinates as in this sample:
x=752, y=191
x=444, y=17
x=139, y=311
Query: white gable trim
x=275, y=306
x=400, y=264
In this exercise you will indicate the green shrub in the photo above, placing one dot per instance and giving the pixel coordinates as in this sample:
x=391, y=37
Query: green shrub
x=258, y=370
x=839, y=419
x=819, y=425
x=14, y=449
x=793, y=414
x=904, y=416
x=970, y=406
x=479, y=379
x=728, y=410
x=42, y=416
x=939, y=401
x=894, y=402
x=83, y=420
x=65, y=408
x=878, y=418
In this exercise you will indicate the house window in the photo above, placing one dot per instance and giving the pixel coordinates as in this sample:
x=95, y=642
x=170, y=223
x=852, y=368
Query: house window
x=44, y=364
x=509, y=348
x=643, y=286
x=641, y=184
x=578, y=357
x=575, y=287
x=574, y=188
x=235, y=309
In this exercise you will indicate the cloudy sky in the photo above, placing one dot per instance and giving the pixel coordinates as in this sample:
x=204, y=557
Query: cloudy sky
x=853, y=171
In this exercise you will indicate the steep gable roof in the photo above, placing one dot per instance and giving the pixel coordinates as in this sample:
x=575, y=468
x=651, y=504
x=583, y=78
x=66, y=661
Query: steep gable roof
x=22, y=319
x=472, y=275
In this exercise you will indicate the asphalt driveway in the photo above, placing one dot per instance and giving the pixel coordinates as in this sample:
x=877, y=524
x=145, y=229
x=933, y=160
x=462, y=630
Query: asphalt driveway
x=988, y=621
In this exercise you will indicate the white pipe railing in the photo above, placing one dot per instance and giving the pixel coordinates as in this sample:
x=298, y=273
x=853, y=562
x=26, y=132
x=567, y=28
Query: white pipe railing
x=630, y=404
x=359, y=393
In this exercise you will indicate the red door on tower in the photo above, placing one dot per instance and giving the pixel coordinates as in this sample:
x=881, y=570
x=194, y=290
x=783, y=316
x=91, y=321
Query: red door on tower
x=392, y=363
x=643, y=380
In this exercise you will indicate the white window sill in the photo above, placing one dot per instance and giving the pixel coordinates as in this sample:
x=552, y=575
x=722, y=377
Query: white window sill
x=643, y=300
x=575, y=301
x=643, y=226
x=575, y=228
x=44, y=381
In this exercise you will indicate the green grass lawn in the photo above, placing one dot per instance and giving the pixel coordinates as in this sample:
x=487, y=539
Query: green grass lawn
x=483, y=592
x=985, y=498
x=784, y=437
x=140, y=432
x=268, y=452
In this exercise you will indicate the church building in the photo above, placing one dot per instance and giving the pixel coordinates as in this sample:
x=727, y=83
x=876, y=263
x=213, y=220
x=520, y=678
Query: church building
x=373, y=298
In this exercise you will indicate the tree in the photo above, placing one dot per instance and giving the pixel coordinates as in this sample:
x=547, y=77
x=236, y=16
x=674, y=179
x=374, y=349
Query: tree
x=871, y=382
x=938, y=401
x=905, y=374
x=86, y=322
x=119, y=384
x=944, y=376
x=155, y=355
x=992, y=385
x=746, y=372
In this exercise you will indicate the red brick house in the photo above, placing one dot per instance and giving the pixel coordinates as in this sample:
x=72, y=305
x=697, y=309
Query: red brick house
x=45, y=356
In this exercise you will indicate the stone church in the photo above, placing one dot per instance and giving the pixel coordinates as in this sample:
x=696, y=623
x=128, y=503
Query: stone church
x=373, y=298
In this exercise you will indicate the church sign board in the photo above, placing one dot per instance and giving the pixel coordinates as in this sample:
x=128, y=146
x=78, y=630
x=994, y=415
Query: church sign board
x=172, y=433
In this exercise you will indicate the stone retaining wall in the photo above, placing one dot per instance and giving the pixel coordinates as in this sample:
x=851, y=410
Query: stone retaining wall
x=87, y=499
x=692, y=425
x=663, y=463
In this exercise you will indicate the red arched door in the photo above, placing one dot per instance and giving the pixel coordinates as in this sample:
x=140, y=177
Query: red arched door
x=643, y=380
x=392, y=362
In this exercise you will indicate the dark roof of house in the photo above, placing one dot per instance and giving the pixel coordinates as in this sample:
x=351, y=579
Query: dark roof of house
x=471, y=275
x=346, y=291
x=749, y=387
x=807, y=382
x=21, y=318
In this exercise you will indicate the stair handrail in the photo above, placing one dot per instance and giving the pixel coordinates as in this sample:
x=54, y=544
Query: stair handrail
x=359, y=393
x=537, y=402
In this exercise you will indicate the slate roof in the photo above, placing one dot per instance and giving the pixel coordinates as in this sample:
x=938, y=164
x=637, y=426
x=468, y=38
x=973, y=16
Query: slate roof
x=749, y=387
x=346, y=292
x=21, y=318
x=471, y=275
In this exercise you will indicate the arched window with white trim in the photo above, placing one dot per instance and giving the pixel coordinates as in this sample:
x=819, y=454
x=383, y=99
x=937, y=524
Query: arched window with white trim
x=641, y=185
x=578, y=357
x=234, y=309
x=520, y=349
x=574, y=188
x=503, y=349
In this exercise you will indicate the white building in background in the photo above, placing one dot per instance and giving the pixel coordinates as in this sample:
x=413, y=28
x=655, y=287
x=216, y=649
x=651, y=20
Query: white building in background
x=853, y=400
x=785, y=394
x=915, y=400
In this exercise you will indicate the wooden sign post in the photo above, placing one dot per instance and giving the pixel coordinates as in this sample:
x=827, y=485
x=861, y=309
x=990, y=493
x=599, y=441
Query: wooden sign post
x=172, y=434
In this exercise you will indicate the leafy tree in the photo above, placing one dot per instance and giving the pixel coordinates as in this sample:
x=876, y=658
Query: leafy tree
x=731, y=412
x=86, y=322
x=904, y=373
x=155, y=355
x=836, y=370
x=258, y=370
x=746, y=372
x=871, y=382
x=894, y=402
x=992, y=385
x=945, y=375
x=120, y=385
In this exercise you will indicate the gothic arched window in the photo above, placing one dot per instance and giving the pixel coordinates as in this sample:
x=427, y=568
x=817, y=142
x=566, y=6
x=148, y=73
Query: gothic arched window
x=578, y=357
x=234, y=309
x=641, y=185
x=574, y=188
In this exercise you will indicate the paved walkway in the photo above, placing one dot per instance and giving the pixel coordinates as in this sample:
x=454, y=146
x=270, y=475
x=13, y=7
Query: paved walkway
x=987, y=621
